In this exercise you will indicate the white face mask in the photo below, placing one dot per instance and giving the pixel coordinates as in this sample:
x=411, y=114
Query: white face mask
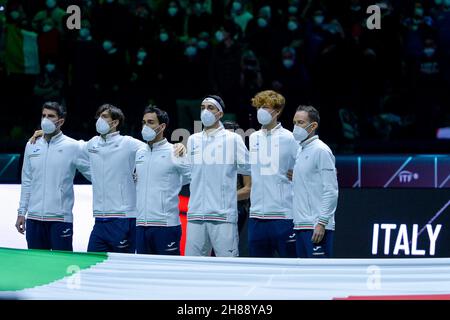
x=102, y=126
x=300, y=134
x=149, y=134
x=208, y=118
x=47, y=126
x=264, y=116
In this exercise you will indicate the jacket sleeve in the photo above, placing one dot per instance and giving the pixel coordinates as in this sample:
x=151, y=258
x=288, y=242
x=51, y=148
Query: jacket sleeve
x=82, y=160
x=242, y=157
x=183, y=168
x=295, y=146
x=135, y=144
x=327, y=170
x=27, y=178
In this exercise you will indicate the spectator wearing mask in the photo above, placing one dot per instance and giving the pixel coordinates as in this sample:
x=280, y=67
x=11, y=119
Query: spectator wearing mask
x=173, y=19
x=166, y=51
x=83, y=57
x=240, y=14
x=199, y=18
x=292, y=34
x=191, y=80
x=141, y=84
x=429, y=90
x=112, y=21
x=142, y=26
x=52, y=11
x=260, y=32
x=225, y=64
x=49, y=84
x=291, y=80
x=49, y=41
x=251, y=82
x=314, y=36
x=111, y=70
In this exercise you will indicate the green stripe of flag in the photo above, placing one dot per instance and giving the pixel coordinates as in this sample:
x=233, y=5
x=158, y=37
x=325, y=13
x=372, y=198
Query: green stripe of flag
x=22, y=269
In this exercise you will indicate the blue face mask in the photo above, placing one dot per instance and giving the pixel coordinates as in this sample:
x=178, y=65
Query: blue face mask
x=85, y=33
x=202, y=44
x=141, y=55
x=47, y=28
x=262, y=23
x=163, y=36
x=50, y=4
x=190, y=51
x=292, y=10
x=288, y=63
x=107, y=45
x=50, y=67
x=172, y=11
x=237, y=6
x=219, y=36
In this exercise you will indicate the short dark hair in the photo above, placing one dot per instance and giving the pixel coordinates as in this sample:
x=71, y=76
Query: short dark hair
x=218, y=99
x=162, y=115
x=313, y=113
x=55, y=106
x=115, y=112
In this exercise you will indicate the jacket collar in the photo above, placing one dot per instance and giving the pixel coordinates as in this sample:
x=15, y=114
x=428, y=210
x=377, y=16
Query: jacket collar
x=308, y=141
x=110, y=136
x=158, y=145
x=272, y=131
x=55, y=138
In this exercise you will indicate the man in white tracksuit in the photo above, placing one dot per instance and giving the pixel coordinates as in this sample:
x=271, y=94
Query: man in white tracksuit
x=112, y=158
x=47, y=196
x=216, y=156
x=160, y=177
x=315, y=188
x=272, y=155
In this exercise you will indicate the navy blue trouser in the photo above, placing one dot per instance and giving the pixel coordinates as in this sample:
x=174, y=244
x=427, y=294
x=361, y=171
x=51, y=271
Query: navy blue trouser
x=158, y=240
x=49, y=235
x=113, y=235
x=307, y=249
x=265, y=236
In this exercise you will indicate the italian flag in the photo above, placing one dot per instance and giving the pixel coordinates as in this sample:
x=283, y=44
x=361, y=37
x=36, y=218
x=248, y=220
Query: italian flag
x=22, y=52
x=57, y=275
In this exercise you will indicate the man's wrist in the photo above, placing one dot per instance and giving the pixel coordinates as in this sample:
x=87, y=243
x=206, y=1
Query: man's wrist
x=322, y=221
